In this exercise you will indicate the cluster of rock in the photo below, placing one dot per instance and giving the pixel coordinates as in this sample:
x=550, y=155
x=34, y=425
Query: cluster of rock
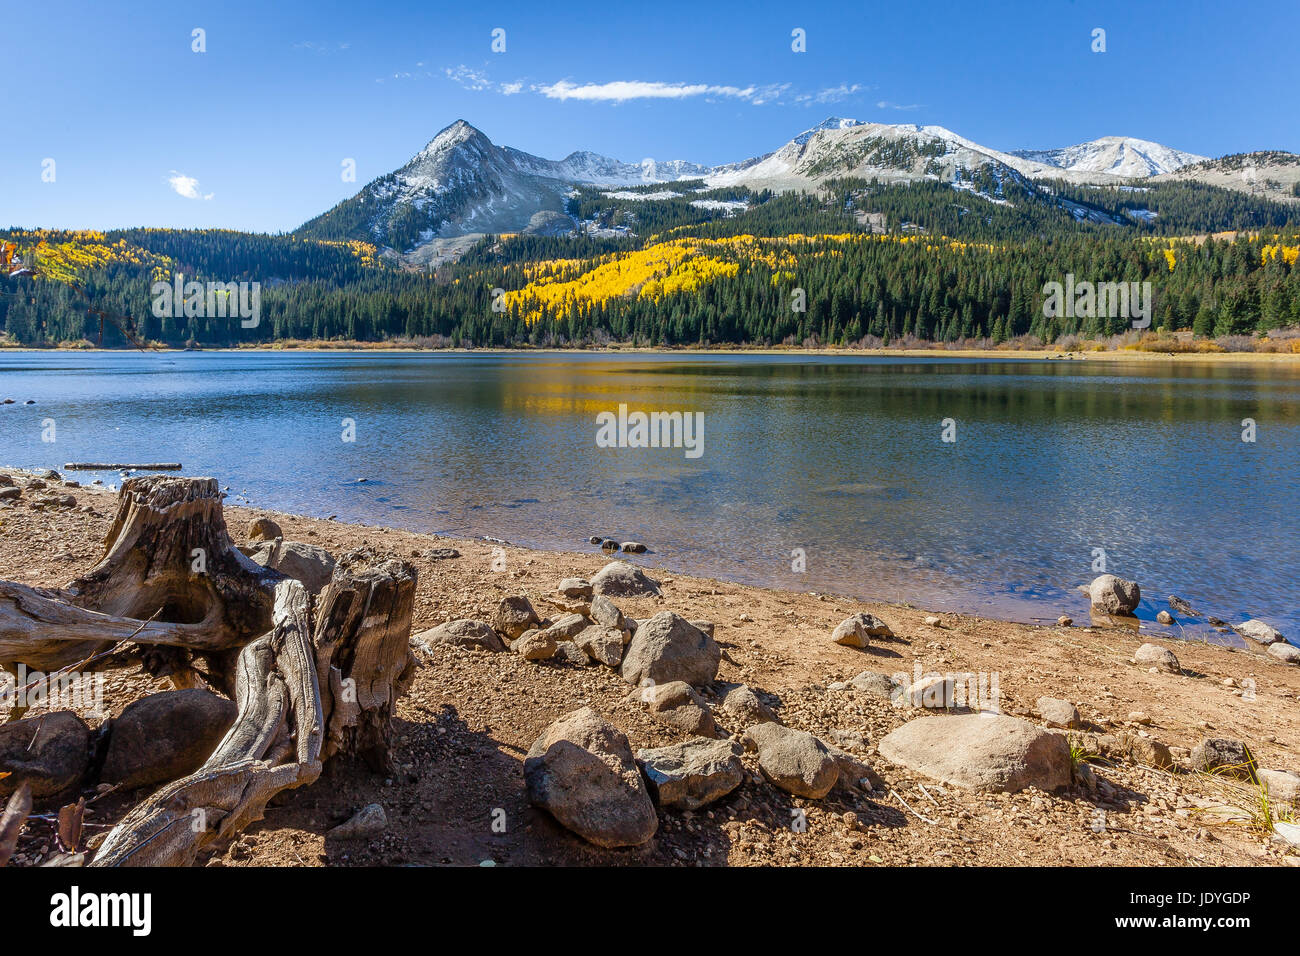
x=610, y=545
x=38, y=492
x=1118, y=597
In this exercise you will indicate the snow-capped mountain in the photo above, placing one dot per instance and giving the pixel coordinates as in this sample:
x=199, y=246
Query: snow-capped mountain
x=1117, y=155
x=462, y=184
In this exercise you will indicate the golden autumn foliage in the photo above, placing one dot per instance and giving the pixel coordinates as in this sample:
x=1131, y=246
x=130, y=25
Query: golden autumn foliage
x=1288, y=254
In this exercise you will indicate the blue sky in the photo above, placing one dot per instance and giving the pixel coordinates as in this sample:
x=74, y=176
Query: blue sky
x=251, y=134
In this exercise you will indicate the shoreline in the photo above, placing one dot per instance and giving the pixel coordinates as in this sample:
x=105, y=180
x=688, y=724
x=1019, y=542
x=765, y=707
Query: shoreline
x=471, y=715
x=1282, y=358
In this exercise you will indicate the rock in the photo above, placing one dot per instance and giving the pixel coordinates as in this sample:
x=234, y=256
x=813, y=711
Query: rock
x=567, y=652
x=1290, y=832
x=1064, y=621
x=1112, y=595
x=879, y=685
x=793, y=760
x=706, y=626
x=513, y=616
x=1260, y=632
x=678, y=705
x=1162, y=658
x=620, y=579
x=604, y=644
x=596, y=539
x=933, y=692
x=1286, y=653
x=604, y=611
x=855, y=774
x=932, y=620
x=311, y=565
x=743, y=703
x=1149, y=752
x=581, y=772
x=165, y=736
x=475, y=635
x=850, y=633
x=1224, y=755
x=981, y=751
x=1164, y=617
x=667, y=648
x=609, y=545
x=36, y=484
x=871, y=625
x=567, y=627
x=633, y=547
x=365, y=824
x=575, y=588
x=10, y=494
x=51, y=752
x=1283, y=785
x=693, y=773
x=440, y=554
x=535, y=645
x=264, y=529
x=1059, y=713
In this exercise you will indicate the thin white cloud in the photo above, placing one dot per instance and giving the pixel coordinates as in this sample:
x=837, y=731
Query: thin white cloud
x=315, y=47
x=468, y=77
x=620, y=91
x=186, y=186
x=886, y=105
x=832, y=94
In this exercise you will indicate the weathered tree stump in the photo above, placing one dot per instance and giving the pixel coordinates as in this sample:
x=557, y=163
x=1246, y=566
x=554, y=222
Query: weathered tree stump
x=172, y=587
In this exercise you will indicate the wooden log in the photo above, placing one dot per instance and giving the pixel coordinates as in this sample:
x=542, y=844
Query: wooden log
x=93, y=466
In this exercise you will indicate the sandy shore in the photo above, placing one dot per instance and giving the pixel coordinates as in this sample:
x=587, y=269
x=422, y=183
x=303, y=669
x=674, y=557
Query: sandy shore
x=471, y=716
x=1124, y=355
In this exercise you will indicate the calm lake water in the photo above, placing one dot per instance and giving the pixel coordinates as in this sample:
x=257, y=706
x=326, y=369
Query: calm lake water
x=841, y=457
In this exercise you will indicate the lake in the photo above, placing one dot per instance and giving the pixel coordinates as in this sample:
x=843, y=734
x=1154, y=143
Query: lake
x=840, y=459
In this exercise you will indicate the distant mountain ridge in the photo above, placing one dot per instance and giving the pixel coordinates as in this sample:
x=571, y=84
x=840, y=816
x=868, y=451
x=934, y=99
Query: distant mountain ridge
x=462, y=184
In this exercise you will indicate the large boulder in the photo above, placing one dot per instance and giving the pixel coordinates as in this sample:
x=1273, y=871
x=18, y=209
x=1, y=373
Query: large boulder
x=475, y=635
x=693, y=773
x=667, y=648
x=51, y=752
x=311, y=565
x=981, y=751
x=678, y=705
x=856, y=629
x=604, y=644
x=620, y=579
x=1112, y=595
x=1260, y=632
x=1226, y=756
x=581, y=772
x=164, y=736
x=1161, y=658
x=514, y=615
x=1286, y=653
x=794, y=760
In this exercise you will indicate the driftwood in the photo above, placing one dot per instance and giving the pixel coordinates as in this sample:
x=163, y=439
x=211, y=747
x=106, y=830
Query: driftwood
x=173, y=592
x=96, y=466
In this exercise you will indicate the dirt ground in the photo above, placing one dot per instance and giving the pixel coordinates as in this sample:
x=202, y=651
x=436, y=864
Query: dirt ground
x=456, y=796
